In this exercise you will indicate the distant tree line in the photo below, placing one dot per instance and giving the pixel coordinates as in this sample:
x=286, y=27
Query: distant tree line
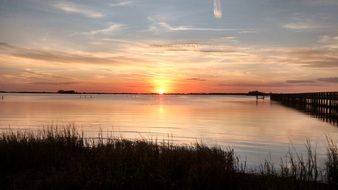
x=255, y=93
x=67, y=92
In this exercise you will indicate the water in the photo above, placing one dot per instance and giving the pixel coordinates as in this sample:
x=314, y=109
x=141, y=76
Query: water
x=254, y=130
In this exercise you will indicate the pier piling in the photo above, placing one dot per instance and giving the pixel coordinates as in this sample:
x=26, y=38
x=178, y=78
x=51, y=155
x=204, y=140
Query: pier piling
x=323, y=105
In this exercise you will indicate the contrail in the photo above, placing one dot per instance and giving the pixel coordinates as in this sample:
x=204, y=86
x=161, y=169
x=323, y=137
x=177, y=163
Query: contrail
x=217, y=9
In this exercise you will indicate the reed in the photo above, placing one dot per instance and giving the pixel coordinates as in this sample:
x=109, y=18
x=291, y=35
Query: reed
x=332, y=162
x=62, y=158
x=299, y=167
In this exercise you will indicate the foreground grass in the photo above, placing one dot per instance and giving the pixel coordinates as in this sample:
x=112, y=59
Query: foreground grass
x=63, y=159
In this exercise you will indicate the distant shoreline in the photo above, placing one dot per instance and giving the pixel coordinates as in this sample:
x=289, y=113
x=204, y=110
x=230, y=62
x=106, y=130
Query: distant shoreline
x=126, y=93
x=251, y=93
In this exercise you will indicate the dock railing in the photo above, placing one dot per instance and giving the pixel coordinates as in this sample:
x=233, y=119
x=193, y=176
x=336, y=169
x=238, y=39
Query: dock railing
x=323, y=105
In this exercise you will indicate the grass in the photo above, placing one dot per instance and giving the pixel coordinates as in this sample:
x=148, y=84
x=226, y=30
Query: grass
x=332, y=163
x=63, y=159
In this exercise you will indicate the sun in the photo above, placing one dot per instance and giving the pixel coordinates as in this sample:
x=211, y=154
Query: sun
x=161, y=91
x=161, y=85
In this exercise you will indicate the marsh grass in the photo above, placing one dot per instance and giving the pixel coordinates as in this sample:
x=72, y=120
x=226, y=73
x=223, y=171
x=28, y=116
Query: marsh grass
x=299, y=167
x=56, y=158
x=332, y=162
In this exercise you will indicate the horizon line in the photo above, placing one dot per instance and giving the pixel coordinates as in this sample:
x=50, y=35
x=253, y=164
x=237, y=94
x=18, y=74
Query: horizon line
x=156, y=93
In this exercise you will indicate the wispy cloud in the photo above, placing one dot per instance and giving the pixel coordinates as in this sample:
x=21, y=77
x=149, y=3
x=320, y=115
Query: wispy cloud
x=56, y=83
x=201, y=63
x=196, y=79
x=63, y=57
x=324, y=79
x=217, y=9
x=299, y=26
x=120, y=4
x=299, y=81
x=247, y=31
x=78, y=9
x=254, y=84
x=320, y=57
x=188, y=28
x=164, y=25
x=105, y=31
x=329, y=79
x=329, y=42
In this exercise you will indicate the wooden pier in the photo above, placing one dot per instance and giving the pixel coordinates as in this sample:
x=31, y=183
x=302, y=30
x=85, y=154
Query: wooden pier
x=322, y=105
x=262, y=97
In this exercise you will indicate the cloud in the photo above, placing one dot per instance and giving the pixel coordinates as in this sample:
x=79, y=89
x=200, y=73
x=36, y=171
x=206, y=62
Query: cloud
x=179, y=44
x=105, y=31
x=254, y=84
x=228, y=53
x=78, y=9
x=330, y=42
x=63, y=57
x=4, y=47
x=233, y=65
x=187, y=28
x=299, y=81
x=155, y=27
x=120, y=4
x=230, y=38
x=195, y=46
x=218, y=50
x=217, y=9
x=274, y=84
x=324, y=62
x=319, y=57
x=56, y=83
x=196, y=79
x=299, y=26
x=325, y=79
x=329, y=79
x=247, y=32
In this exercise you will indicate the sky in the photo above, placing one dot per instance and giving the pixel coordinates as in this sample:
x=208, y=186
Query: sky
x=166, y=46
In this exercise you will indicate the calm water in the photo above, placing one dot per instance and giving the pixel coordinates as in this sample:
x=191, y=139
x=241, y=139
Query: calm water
x=255, y=130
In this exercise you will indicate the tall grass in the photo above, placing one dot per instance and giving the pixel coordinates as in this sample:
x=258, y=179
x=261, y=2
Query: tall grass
x=299, y=167
x=332, y=162
x=63, y=159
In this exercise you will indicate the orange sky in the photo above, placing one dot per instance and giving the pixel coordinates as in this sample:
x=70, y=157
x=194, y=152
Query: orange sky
x=190, y=46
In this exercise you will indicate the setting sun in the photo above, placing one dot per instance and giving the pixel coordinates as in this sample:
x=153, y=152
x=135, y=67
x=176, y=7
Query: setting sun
x=162, y=85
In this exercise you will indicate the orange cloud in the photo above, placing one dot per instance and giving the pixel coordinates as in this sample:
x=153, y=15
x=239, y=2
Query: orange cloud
x=154, y=66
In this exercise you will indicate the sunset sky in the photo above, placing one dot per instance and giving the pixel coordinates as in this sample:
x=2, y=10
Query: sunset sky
x=169, y=45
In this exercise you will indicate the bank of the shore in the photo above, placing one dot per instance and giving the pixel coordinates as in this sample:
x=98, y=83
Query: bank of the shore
x=63, y=159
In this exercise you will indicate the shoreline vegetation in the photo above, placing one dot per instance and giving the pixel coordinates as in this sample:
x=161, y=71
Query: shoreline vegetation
x=62, y=158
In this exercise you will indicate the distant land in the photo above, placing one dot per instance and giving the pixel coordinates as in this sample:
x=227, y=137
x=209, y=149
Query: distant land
x=252, y=93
